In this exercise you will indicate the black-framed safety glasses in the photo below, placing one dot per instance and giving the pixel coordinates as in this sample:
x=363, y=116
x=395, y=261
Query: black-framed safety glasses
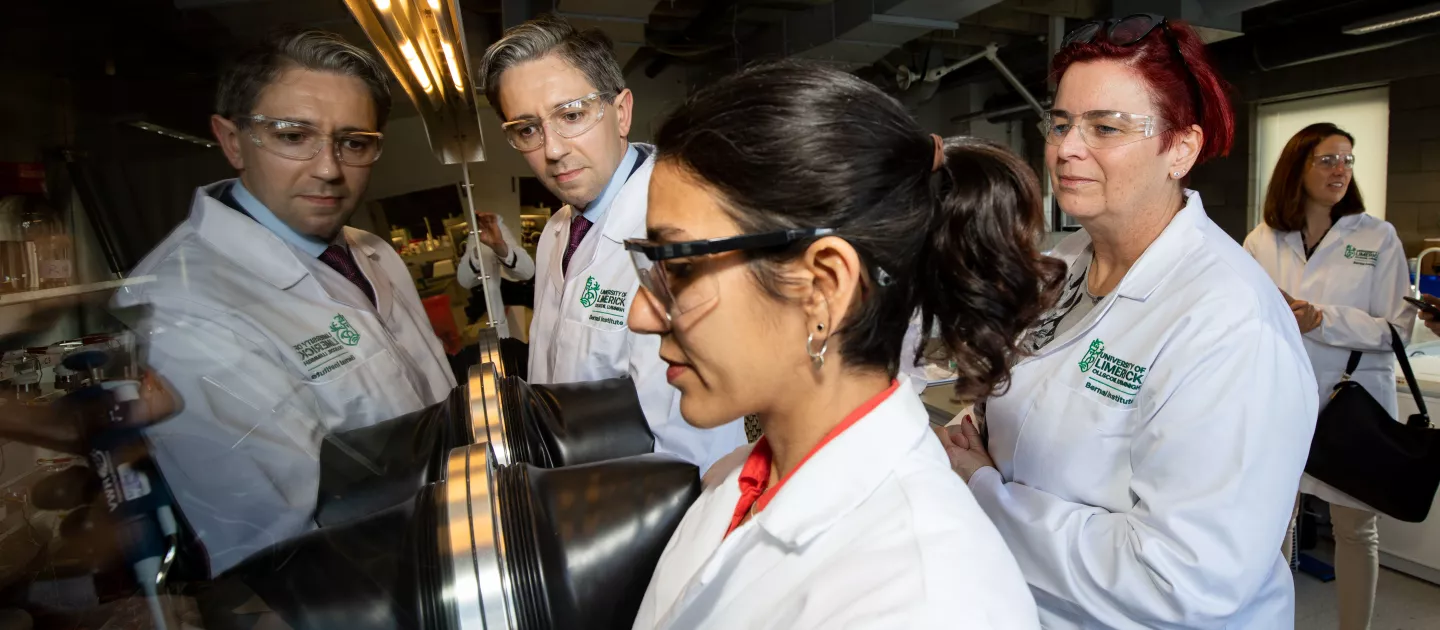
x=668, y=271
x=1126, y=31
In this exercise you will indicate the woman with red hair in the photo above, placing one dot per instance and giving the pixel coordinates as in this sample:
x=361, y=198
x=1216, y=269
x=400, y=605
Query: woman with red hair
x=1143, y=461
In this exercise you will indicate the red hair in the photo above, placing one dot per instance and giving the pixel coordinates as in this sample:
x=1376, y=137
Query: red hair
x=1183, y=97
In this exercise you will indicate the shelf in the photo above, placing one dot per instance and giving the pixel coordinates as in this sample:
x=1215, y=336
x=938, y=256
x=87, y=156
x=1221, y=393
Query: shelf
x=26, y=297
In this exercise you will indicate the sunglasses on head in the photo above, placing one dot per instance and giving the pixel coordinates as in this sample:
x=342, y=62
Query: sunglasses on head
x=1126, y=31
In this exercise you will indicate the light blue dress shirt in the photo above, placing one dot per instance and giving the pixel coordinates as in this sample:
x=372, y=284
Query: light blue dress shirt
x=597, y=209
x=265, y=217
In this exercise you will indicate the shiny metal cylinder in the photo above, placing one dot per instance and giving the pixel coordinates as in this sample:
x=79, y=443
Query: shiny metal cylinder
x=477, y=587
x=487, y=417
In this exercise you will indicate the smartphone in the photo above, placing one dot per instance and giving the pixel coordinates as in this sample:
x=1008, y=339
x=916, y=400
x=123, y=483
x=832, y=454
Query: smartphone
x=1433, y=310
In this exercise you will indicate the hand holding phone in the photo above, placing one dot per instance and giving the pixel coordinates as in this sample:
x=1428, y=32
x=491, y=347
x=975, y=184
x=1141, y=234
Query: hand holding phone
x=1432, y=310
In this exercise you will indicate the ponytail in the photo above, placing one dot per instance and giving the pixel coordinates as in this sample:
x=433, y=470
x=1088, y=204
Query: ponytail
x=982, y=282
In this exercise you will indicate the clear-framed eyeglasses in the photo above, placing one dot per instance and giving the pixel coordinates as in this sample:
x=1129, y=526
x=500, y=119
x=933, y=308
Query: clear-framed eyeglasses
x=568, y=120
x=303, y=141
x=1101, y=129
x=1333, y=161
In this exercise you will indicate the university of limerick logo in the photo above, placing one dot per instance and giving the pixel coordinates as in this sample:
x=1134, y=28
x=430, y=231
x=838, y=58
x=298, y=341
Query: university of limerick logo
x=343, y=331
x=1109, y=376
x=1097, y=347
x=1366, y=257
x=592, y=292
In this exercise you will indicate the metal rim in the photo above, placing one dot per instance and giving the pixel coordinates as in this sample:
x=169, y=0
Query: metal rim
x=488, y=532
x=478, y=588
x=462, y=590
x=489, y=346
x=486, y=413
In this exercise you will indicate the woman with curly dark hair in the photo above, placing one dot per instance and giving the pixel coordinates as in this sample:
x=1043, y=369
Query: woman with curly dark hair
x=798, y=217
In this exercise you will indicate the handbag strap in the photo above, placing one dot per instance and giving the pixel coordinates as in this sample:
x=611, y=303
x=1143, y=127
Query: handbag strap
x=1352, y=364
x=1399, y=348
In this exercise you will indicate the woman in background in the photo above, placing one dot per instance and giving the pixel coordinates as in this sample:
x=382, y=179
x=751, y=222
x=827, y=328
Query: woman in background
x=798, y=218
x=1344, y=274
x=1139, y=454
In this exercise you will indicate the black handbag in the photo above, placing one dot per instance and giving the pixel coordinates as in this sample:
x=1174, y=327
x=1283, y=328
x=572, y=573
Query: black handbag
x=1361, y=451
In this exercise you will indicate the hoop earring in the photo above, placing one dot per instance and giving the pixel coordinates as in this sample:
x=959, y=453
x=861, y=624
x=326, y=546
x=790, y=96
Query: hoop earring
x=818, y=358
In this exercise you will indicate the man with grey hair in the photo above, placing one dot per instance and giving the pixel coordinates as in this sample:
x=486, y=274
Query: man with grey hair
x=276, y=323
x=562, y=98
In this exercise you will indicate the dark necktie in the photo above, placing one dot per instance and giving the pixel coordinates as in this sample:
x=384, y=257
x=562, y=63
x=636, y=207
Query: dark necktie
x=578, y=227
x=340, y=260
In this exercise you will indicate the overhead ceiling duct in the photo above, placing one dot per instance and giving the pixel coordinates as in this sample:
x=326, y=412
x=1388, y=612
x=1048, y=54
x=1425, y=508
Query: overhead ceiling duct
x=1284, y=36
x=1213, y=21
x=622, y=20
x=855, y=33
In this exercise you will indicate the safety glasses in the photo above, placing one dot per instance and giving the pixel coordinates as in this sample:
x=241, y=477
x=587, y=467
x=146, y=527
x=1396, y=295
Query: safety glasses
x=669, y=271
x=303, y=141
x=568, y=120
x=1334, y=160
x=1131, y=30
x=1101, y=129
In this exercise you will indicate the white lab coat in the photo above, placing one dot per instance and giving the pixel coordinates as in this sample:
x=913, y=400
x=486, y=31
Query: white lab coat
x=1163, y=508
x=248, y=330
x=873, y=531
x=1358, y=293
x=579, y=332
x=471, y=268
x=524, y=269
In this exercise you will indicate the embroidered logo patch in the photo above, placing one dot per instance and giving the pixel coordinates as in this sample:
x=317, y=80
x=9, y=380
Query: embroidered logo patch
x=1109, y=376
x=592, y=291
x=344, y=331
x=328, y=351
x=608, y=307
x=1366, y=257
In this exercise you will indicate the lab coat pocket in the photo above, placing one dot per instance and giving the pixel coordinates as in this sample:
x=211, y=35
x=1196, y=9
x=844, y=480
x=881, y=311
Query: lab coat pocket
x=350, y=389
x=602, y=342
x=1102, y=415
x=1077, y=444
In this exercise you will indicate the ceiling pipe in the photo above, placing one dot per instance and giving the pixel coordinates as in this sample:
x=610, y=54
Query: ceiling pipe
x=1274, y=53
x=709, y=17
x=991, y=115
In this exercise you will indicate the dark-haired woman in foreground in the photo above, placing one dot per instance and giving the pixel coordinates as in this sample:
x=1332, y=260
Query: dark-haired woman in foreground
x=797, y=218
x=1139, y=453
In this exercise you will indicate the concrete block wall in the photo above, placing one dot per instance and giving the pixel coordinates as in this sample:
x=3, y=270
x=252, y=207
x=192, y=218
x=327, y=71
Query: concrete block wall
x=1225, y=184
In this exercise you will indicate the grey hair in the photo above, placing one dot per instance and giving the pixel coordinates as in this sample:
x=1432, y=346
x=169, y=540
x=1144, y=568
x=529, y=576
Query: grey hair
x=318, y=51
x=590, y=51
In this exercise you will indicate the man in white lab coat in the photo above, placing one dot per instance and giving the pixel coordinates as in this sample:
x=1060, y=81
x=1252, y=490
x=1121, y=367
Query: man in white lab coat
x=566, y=109
x=506, y=258
x=278, y=325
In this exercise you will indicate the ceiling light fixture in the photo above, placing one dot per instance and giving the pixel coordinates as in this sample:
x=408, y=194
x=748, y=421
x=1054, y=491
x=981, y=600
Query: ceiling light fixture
x=172, y=134
x=423, y=45
x=1392, y=20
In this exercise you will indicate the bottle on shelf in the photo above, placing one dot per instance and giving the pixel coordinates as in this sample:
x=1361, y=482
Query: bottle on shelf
x=53, y=255
x=14, y=255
